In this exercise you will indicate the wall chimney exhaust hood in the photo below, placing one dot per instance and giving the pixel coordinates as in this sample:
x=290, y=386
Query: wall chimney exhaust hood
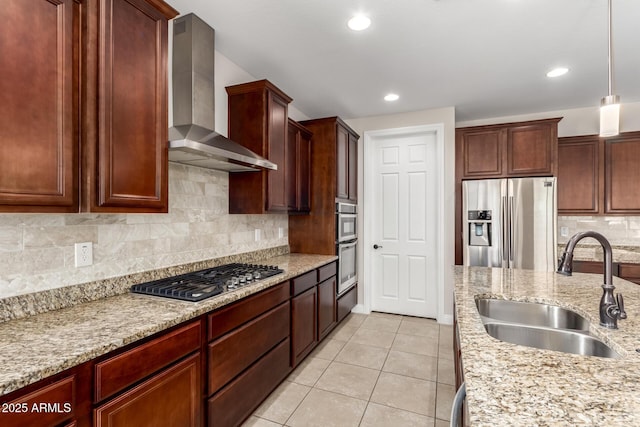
x=192, y=140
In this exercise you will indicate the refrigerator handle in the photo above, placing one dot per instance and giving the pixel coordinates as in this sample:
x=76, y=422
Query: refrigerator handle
x=505, y=230
x=511, y=233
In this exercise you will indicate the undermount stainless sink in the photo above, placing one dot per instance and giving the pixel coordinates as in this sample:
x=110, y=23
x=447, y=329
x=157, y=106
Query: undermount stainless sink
x=533, y=314
x=543, y=326
x=551, y=339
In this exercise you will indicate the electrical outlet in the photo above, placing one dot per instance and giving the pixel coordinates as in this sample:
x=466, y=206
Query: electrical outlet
x=83, y=254
x=257, y=235
x=564, y=231
x=280, y=232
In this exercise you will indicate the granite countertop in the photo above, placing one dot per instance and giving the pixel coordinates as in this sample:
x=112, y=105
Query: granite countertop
x=509, y=384
x=35, y=347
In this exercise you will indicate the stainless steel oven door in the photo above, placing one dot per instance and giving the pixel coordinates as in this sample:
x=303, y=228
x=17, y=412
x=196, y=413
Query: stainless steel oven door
x=347, y=266
x=347, y=227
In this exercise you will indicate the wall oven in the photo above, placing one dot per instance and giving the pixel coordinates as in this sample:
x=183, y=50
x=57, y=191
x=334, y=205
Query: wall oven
x=346, y=245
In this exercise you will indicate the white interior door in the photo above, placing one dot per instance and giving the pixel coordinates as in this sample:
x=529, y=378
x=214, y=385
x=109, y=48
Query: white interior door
x=404, y=225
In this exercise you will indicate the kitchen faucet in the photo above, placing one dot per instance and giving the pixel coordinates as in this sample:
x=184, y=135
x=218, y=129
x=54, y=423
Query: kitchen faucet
x=611, y=309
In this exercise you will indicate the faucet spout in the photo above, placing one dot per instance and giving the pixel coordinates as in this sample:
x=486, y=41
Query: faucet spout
x=611, y=308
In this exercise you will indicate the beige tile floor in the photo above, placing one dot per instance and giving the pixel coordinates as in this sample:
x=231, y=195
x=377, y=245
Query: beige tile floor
x=377, y=370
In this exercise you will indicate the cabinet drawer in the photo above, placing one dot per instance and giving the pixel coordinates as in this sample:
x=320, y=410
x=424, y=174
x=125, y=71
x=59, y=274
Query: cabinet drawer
x=228, y=318
x=170, y=398
x=235, y=402
x=304, y=282
x=60, y=400
x=254, y=339
x=118, y=372
x=326, y=271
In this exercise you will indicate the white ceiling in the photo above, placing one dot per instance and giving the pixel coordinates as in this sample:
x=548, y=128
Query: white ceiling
x=487, y=58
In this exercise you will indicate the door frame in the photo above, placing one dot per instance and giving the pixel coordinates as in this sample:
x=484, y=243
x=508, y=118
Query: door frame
x=366, y=248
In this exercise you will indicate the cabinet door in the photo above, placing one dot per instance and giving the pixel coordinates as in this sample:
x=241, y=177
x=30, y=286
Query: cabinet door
x=171, y=398
x=481, y=152
x=291, y=184
x=38, y=94
x=303, y=324
x=326, y=306
x=303, y=191
x=622, y=157
x=342, y=160
x=353, y=168
x=531, y=149
x=579, y=180
x=128, y=164
x=276, y=180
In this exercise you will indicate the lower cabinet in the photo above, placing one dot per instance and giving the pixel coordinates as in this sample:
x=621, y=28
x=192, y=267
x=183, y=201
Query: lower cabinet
x=304, y=330
x=169, y=398
x=326, y=307
x=346, y=302
x=235, y=402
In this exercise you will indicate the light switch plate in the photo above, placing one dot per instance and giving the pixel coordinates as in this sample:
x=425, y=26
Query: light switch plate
x=257, y=235
x=564, y=231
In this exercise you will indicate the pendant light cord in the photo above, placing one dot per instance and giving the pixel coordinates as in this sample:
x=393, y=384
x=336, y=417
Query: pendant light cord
x=610, y=52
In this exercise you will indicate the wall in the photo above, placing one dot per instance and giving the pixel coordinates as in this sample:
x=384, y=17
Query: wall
x=445, y=116
x=36, y=250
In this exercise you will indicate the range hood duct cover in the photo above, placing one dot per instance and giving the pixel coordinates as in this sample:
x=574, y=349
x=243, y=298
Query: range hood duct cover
x=192, y=140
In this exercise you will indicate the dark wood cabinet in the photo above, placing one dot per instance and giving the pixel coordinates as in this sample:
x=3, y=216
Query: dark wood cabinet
x=508, y=150
x=87, y=124
x=248, y=354
x=622, y=174
x=346, y=302
x=334, y=153
x=40, y=44
x=125, y=126
x=579, y=175
x=326, y=307
x=298, y=168
x=169, y=398
x=598, y=176
x=258, y=119
x=304, y=330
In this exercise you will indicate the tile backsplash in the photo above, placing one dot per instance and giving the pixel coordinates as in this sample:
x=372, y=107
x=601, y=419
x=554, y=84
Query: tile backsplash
x=37, y=250
x=619, y=230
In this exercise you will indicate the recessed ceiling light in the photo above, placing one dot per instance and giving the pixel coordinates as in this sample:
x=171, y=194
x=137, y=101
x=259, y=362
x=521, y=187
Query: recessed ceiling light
x=359, y=23
x=391, y=97
x=557, y=72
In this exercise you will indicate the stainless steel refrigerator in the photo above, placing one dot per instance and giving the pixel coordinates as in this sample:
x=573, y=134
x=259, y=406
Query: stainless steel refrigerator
x=510, y=223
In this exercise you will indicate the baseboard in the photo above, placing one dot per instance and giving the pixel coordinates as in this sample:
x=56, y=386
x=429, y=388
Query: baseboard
x=359, y=308
x=446, y=319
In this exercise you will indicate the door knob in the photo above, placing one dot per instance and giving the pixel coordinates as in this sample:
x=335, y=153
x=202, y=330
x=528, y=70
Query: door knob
x=377, y=246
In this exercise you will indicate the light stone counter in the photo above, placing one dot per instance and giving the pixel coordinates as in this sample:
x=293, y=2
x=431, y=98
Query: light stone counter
x=513, y=385
x=35, y=347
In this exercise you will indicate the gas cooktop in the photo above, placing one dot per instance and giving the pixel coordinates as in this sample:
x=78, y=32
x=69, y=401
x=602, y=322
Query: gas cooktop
x=206, y=283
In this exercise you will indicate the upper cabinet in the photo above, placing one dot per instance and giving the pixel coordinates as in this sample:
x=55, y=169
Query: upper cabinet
x=39, y=41
x=298, y=168
x=125, y=126
x=258, y=119
x=579, y=175
x=334, y=158
x=598, y=175
x=85, y=123
x=508, y=150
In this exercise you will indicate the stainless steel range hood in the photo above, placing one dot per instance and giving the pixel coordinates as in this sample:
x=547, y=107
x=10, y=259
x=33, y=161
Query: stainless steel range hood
x=192, y=140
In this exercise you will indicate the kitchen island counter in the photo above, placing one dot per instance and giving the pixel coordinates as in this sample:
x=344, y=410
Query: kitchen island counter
x=510, y=384
x=38, y=346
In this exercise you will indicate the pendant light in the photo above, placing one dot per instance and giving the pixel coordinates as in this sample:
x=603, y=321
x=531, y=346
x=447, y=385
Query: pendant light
x=610, y=104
